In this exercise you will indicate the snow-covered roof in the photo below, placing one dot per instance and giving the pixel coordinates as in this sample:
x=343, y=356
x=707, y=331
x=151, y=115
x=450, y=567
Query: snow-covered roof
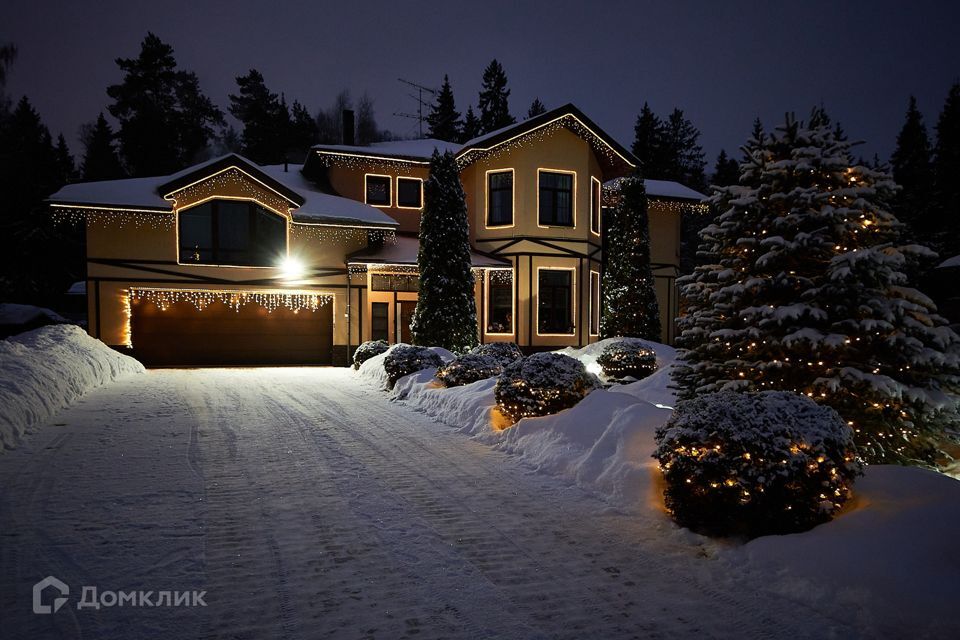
x=136, y=193
x=320, y=207
x=666, y=189
x=404, y=251
x=315, y=206
x=949, y=262
x=420, y=150
x=19, y=314
x=78, y=288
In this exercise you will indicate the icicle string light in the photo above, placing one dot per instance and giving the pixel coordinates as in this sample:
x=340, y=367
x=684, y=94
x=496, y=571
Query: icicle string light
x=338, y=234
x=120, y=218
x=227, y=181
x=296, y=301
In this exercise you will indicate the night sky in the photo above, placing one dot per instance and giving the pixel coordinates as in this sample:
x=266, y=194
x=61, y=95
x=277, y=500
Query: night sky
x=724, y=63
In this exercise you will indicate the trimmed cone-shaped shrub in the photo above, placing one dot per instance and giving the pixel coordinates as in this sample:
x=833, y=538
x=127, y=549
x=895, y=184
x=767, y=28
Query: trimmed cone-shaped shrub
x=627, y=358
x=468, y=368
x=751, y=464
x=367, y=350
x=542, y=384
x=405, y=359
x=503, y=352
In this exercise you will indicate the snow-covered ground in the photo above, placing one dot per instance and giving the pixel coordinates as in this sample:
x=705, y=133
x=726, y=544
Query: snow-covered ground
x=44, y=370
x=889, y=562
x=307, y=504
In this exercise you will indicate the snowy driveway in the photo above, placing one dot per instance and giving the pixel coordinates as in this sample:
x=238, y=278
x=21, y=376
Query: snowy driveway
x=307, y=505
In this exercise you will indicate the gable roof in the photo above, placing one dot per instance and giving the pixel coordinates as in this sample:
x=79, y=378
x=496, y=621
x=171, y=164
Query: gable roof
x=310, y=204
x=612, y=155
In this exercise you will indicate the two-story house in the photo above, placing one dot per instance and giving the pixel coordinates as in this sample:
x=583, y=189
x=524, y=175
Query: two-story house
x=231, y=262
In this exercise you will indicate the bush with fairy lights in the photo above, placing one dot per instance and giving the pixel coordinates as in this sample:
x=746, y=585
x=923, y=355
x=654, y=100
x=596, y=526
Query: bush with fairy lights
x=368, y=350
x=752, y=464
x=627, y=359
x=405, y=359
x=542, y=384
x=468, y=368
x=503, y=352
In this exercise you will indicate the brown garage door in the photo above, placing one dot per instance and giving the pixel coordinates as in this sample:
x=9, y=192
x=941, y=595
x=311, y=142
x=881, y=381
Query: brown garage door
x=220, y=335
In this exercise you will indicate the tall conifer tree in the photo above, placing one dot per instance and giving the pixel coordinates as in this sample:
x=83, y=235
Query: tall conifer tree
x=913, y=171
x=471, y=126
x=444, y=119
x=804, y=290
x=100, y=159
x=446, y=312
x=263, y=117
x=947, y=173
x=494, y=99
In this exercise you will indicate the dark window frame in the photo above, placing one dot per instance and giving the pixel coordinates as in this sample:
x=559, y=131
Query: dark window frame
x=548, y=199
x=550, y=299
x=595, y=302
x=502, y=221
x=419, y=183
x=502, y=288
x=255, y=256
x=380, y=331
x=366, y=189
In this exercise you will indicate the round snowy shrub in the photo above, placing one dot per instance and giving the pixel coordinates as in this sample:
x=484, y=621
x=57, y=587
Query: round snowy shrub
x=405, y=359
x=752, y=464
x=503, y=352
x=367, y=350
x=542, y=384
x=468, y=368
x=627, y=358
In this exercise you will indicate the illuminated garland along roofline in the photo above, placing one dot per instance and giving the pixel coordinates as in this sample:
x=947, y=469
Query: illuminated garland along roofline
x=167, y=197
x=56, y=204
x=370, y=156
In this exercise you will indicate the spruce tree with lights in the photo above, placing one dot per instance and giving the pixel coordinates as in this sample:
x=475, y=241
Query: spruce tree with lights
x=804, y=290
x=629, y=299
x=446, y=312
x=444, y=119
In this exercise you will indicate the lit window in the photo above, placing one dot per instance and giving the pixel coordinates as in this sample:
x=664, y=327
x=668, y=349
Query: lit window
x=378, y=190
x=595, y=204
x=556, y=199
x=395, y=282
x=500, y=198
x=594, y=303
x=231, y=232
x=410, y=193
x=500, y=301
x=554, y=297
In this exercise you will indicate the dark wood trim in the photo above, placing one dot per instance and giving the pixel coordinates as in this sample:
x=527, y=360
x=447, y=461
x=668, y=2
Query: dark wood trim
x=97, y=302
x=515, y=239
x=530, y=300
x=580, y=296
x=257, y=283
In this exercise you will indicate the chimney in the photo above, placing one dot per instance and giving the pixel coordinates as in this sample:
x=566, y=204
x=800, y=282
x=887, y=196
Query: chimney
x=348, y=135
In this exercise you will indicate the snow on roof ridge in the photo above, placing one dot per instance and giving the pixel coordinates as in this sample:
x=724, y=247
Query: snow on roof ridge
x=663, y=189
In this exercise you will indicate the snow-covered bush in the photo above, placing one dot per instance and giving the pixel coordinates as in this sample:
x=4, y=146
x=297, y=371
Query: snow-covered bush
x=542, y=384
x=367, y=350
x=468, y=368
x=754, y=464
x=503, y=352
x=627, y=358
x=405, y=359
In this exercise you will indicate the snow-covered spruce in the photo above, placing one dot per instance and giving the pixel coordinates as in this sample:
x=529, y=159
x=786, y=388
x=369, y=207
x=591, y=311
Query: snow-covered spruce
x=542, y=384
x=367, y=350
x=627, y=360
x=468, y=368
x=404, y=359
x=804, y=288
x=503, y=352
x=754, y=464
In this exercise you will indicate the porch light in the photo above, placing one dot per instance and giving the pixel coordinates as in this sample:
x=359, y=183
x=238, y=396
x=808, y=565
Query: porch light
x=292, y=268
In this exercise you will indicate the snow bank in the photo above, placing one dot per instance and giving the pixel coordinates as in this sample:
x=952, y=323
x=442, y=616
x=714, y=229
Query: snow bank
x=44, y=370
x=891, y=561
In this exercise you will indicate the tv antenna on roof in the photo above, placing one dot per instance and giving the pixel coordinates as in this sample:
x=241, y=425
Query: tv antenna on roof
x=418, y=116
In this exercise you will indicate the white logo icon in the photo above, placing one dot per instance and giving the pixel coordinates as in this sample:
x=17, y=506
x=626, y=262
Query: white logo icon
x=38, y=589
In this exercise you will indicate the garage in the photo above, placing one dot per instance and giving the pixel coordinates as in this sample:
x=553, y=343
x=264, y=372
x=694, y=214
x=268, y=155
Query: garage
x=180, y=332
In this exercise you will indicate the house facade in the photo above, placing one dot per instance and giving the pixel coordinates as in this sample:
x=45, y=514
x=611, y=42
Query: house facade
x=228, y=262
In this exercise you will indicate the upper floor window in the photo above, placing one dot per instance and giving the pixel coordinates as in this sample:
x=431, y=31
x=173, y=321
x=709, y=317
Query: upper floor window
x=500, y=198
x=231, y=232
x=377, y=190
x=410, y=193
x=556, y=199
x=595, y=204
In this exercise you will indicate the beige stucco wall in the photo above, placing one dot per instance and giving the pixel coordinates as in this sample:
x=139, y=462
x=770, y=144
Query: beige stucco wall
x=350, y=182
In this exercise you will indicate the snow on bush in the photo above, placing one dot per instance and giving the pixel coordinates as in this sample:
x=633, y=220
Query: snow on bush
x=542, y=384
x=367, y=350
x=503, y=352
x=404, y=359
x=44, y=370
x=468, y=368
x=755, y=463
x=627, y=360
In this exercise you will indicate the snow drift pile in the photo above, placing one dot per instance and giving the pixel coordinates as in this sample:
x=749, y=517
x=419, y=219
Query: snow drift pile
x=44, y=370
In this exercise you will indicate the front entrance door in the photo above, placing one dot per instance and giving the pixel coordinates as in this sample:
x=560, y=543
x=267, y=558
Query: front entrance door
x=406, y=315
